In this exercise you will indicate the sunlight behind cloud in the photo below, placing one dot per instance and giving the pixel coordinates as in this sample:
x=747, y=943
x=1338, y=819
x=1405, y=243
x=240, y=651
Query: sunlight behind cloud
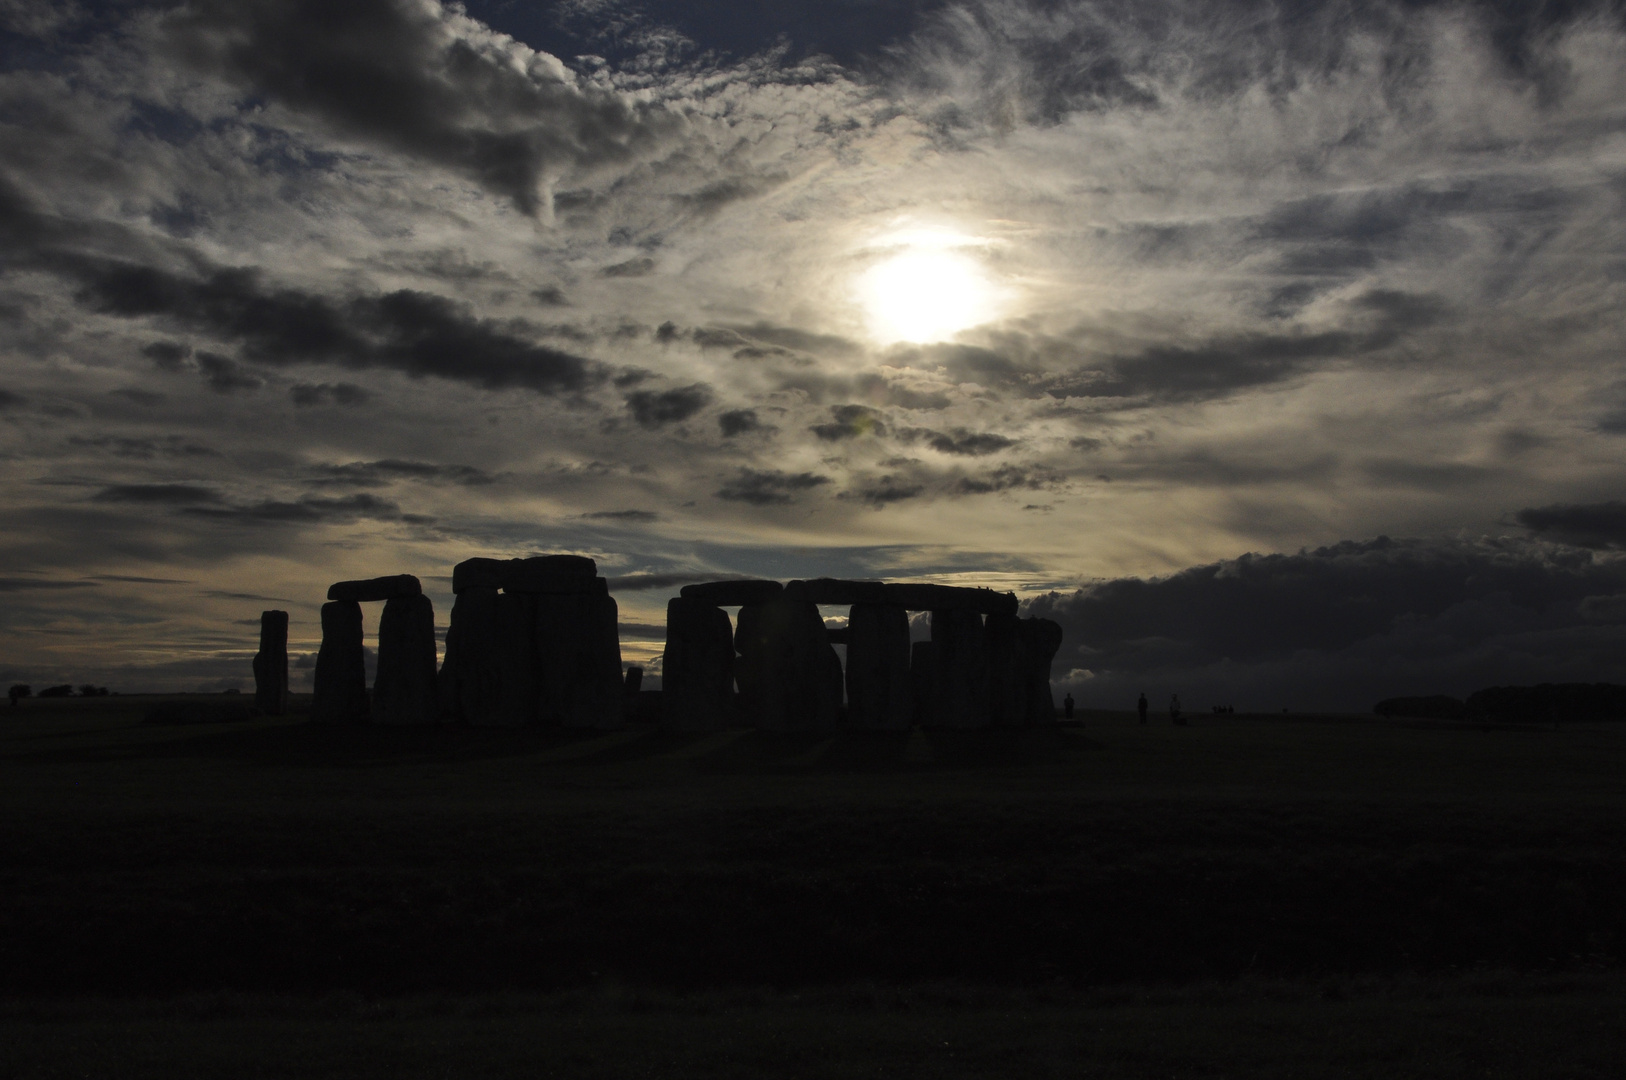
x=928, y=290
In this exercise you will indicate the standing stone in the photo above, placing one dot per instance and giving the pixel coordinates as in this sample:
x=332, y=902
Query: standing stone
x=922, y=682
x=1042, y=638
x=1009, y=671
x=515, y=654
x=878, y=690
x=793, y=675
x=697, y=671
x=271, y=664
x=341, y=672
x=634, y=679
x=470, y=678
x=578, y=651
x=960, y=648
x=404, y=690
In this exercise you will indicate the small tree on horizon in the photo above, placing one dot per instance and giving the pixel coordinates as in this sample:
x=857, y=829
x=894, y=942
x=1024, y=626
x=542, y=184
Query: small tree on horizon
x=19, y=691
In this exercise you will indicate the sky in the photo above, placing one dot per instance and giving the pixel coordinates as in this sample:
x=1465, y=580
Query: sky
x=1273, y=349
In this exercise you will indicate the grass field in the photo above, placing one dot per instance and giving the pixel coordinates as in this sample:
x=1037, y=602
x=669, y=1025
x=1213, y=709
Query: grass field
x=1272, y=895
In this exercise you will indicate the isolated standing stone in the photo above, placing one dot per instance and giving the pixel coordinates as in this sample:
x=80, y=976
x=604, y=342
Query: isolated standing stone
x=922, y=682
x=515, y=654
x=1009, y=671
x=1042, y=639
x=381, y=588
x=271, y=664
x=960, y=649
x=878, y=690
x=697, y=671
x=404, y=690
x=341, y=672
x=470, y=676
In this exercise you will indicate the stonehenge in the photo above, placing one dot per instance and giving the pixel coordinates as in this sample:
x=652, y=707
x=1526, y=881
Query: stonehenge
x=271, y=664
x=535, y=642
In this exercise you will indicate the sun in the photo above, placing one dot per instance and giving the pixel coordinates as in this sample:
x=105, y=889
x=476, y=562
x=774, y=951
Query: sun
x=928, y=289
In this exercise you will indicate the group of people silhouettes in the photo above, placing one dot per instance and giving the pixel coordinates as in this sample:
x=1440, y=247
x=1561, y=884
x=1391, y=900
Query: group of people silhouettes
x=1175, y=715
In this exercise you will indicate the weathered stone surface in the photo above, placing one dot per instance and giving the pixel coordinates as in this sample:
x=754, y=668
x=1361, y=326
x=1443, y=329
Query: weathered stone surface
x=791, y=676
x=949, y=598
x=553, y=574
x=578, y=650
x=341, y=672
x=470, y=676
x=271, y=664
x=404, y=690
x=733, y=593
x=1042, y=639
x=1008, y=671
x=478, y=574
x=960, y=650
x=697, y=672
x=922, y=682
x=844, y=592
x=378, y=588
x=515, y=633
x=878, y=689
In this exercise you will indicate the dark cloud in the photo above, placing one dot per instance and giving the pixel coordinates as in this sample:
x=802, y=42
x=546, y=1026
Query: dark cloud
x=1591, y=525
x=640, y=631
x=639, y=517
x=157, y=494
x=9, y=400
x=1341, y=627
x=884, y=490
x=770, y=487
x=310, y=510
x=388, y=471
x=145, y=581
x=226, y=376
x=406, y=77
x=144, y=449
x=141, y=397
x=739, y=422
x=24, y=584
x=645, y=582
x=848, y=422
x=711, y=337
x=417, y=333
x=640, y=267
x=551, y=295
x=168, y=355
x=967, y=443
x=1005, y=478
x=653, y=409
x=343, y=393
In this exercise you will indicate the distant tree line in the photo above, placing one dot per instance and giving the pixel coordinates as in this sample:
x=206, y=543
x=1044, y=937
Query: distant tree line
x=19, y=691
x=1543, y=702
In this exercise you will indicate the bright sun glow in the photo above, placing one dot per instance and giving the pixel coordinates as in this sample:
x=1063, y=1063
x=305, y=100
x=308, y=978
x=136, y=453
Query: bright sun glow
x=926, y=292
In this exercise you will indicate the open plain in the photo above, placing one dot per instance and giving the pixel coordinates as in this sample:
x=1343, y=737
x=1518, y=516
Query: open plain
x=1265, y=895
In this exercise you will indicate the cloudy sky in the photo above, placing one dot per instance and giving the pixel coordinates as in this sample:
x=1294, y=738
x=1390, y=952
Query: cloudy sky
x=1275, y=349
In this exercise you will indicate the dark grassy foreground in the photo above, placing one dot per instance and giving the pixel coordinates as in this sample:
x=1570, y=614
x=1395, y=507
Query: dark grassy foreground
x=1247, y=896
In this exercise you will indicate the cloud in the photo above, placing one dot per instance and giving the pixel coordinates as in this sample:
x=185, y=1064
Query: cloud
x=1007, y=477
x=388, y=471
x=654, y=409
x=346, y=394
x=9, y=400
x=22, y=584
x=1591, y=525
x=884, y=490
x=849, y=422
x=966, y=443
x=226, y=376
x=639, y=267
x=770, y=487
x=311, y=510
x=167, y=355
x=640, y=517
x=646, y=582
x=157, y=494
x=424, y=80
x=739, y=422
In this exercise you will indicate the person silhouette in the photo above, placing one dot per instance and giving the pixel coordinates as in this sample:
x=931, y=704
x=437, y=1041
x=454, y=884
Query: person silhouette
x=1141, y=706
x=1174, y=710
x=1067, y=706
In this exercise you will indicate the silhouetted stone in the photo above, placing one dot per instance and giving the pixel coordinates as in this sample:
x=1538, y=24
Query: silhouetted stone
x=634, y=680
x=341, y=672
x=271, y=664
x=733, y=593
x=791, y=676
x=878, y=689
x=697, y=672
x=578, y=648
x=1009, y=672
x=379, y=588
x=1041, y=638
x=471, y=676
x=922, y=682
x=949, y=598
x=515, y=652
x=960, y=652
x=404, y=687
x=478, y=574
x=842, y=635
x=553, y=574
x=844, y=593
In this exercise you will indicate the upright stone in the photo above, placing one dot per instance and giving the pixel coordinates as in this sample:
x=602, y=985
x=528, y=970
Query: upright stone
x=960, y=648
x=922, y=683
x=1042, y=639
x=578, y=648
x=271, y=664
x=794, y=674
x=515, y=654
x=471, y=676
x=697, y=671
x=878, y=691
x=1009, y=671
x=404, y=690
x=341, y=672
